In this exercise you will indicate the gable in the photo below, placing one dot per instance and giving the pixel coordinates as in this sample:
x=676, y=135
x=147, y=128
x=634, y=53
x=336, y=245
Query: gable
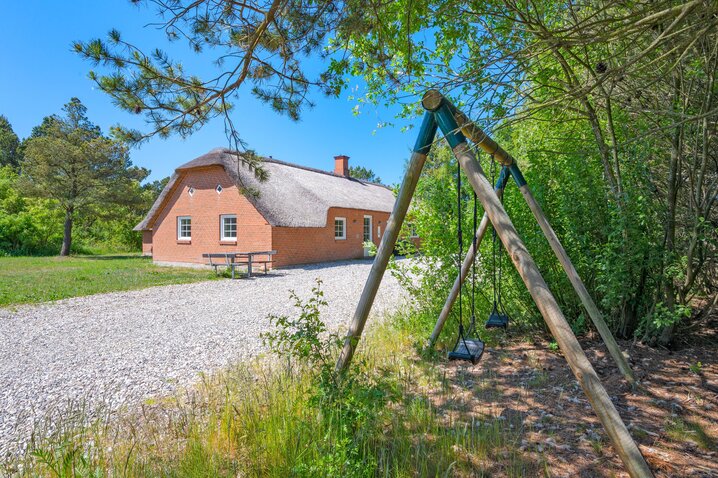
x=204, y=200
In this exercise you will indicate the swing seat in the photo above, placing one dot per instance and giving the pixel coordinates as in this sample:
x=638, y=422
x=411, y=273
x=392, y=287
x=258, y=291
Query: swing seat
x=469, y=349
x=497, y=320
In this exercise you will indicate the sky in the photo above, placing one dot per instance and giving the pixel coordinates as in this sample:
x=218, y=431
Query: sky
x=40, y=73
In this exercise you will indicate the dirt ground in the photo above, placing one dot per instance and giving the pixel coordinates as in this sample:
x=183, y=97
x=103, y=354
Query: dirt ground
x=673, y=417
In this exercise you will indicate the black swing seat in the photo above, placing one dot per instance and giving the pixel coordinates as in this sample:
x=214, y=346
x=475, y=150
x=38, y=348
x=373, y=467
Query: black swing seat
x=497, y=320
x=468, y=349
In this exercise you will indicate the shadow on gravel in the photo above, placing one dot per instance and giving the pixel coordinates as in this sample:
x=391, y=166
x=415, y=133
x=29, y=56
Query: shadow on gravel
x=332, y=265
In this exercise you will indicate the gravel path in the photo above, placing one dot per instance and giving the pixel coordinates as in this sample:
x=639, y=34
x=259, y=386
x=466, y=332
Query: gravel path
x=118, y=348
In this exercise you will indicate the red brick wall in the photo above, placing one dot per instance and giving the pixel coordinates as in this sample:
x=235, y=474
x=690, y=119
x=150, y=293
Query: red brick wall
x=205, y=207
x=305, y=245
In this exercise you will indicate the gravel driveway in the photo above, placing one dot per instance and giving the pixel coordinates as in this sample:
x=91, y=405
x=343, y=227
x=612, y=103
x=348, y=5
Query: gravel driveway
x=118, y=348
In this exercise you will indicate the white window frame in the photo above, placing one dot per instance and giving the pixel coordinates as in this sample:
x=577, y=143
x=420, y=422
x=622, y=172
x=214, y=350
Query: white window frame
x=222, y=236
x=371, y=228
x=412, y=230
x=343, y=220
x=180, y=237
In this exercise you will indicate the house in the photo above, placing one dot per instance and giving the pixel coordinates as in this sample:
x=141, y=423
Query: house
x=215, y=203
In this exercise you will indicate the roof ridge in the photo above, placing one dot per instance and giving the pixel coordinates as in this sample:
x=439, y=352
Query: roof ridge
x=301, y=166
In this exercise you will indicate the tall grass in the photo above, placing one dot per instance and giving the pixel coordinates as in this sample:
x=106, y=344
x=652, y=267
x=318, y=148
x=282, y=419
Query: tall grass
x=270, y=418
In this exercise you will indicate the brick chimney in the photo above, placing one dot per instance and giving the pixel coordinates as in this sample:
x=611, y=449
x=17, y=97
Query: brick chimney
x=341, y=165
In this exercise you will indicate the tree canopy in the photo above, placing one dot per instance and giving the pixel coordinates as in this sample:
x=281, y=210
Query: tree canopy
x=9, y=145
x=360, y=172
x=68, y=160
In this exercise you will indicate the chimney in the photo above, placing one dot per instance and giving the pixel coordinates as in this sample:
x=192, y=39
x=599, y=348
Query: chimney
x=341, y=165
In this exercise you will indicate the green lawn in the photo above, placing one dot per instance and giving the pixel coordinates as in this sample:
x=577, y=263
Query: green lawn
x=39, y=279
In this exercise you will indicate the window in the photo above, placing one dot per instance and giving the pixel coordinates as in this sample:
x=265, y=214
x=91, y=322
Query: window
x=340, y=228
x=229, y=227
x=190, y=191
x=412, y=230
x=184, y=228
x=367, y=228
x=219, y=188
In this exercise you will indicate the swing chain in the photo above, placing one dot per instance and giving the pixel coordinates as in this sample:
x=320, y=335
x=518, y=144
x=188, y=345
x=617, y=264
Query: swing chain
x=460, y=241
x=493, y=241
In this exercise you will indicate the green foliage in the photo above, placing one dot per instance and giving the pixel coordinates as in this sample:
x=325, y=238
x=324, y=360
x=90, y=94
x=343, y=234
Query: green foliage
x=696, y=368
x=348, y=404
x=305, y=338
x=65, y=461
x=430, y=275
x=27, y=225
x=661, y=317
x=360, y=172
x=270, y=44
x=688, y=431
x=561, y=95
x=10, y=154
x=33, y=226
x=72, y=163
x=370, y=247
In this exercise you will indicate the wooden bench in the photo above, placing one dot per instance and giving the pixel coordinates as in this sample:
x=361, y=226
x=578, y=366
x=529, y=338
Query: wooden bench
x=222, y=259
x=231, y=260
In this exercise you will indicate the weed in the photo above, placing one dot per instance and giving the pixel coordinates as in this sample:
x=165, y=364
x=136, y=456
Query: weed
x=538, y=380
x=683, y=430
x=639, y=433
x=597, y=445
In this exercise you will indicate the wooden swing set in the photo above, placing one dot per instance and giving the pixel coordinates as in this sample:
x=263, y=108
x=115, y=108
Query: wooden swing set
x=456, y=127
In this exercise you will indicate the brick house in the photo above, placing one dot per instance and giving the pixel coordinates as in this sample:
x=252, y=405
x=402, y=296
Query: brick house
x=215, y=203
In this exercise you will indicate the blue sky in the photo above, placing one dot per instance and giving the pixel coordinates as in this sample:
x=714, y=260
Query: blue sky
x=40, y=73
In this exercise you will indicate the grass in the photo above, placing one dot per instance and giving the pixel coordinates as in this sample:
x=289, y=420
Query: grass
x=684, y=430
x=39, y=279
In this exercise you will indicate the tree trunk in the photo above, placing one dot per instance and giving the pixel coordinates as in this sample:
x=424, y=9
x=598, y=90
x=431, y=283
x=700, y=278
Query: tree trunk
x=67, y=236
x=665, y=336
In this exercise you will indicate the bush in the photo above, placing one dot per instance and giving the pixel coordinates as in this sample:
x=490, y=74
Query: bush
x=349, y=406
x=27, y=226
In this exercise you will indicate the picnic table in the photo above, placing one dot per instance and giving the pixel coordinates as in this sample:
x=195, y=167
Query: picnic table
x=231, y=260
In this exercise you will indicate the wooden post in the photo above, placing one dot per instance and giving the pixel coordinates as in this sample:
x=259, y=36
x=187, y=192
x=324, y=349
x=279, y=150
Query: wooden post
x=388, y=241
x=466, y=265
x=481, y=139
x=580, y=366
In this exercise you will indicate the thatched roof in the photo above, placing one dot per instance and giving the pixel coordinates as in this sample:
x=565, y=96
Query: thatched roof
x=292, y=196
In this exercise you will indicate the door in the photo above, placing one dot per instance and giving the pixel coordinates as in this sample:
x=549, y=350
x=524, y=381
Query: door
x=367, y=235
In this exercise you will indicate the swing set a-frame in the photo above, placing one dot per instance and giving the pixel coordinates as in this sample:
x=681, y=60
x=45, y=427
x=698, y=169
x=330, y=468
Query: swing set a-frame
x=456, y=127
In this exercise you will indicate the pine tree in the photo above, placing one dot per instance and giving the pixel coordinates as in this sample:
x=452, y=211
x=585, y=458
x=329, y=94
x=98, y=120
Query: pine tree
x=365, y=174
x=9, y=145
x=69, y=160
